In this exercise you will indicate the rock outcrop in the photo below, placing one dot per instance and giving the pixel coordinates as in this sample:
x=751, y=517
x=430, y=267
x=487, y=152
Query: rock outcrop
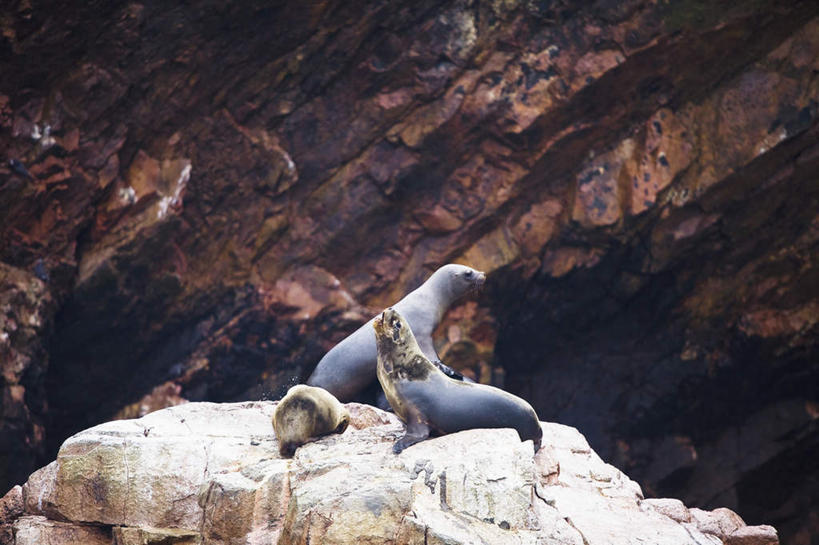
x=210, y=473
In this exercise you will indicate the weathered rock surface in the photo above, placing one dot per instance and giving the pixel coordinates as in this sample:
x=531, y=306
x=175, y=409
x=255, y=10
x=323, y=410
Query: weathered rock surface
x=219, y=192
x=210, y=473
x=26, y=314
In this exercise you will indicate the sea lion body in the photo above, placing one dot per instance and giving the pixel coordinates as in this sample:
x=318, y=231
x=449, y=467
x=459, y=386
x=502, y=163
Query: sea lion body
x=305, y=413
x=429, y=401
x=349, y=367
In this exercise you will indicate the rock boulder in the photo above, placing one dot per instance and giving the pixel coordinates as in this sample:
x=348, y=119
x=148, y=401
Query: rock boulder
x=211, y=473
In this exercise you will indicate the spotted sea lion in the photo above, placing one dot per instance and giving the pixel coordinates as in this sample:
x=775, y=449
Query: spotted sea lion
x=349, y=367
x=429, y=401
x=305, y=413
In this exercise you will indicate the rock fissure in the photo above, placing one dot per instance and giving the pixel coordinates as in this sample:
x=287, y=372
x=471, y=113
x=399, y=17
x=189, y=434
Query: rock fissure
x=127, y=495
x=442, y=490
x=576, y=529
x=693, y=537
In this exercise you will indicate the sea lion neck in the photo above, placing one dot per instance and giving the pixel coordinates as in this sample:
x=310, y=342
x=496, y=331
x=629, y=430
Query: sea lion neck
x=443, y=288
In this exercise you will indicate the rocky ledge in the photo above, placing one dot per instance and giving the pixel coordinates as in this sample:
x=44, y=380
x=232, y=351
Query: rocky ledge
x=211, y=473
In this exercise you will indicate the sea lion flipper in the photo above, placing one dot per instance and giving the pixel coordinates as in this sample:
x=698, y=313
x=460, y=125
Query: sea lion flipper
x=416, y=432
x=450, y=372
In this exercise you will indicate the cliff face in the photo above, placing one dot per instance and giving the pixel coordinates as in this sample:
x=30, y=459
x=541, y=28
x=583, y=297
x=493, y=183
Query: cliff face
x=208, y=473
x=216, y=195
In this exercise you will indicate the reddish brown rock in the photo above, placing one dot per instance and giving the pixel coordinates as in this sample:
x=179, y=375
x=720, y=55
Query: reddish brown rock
x=164, y=395
x=494, y=250
x=11, y=505
x=537, y=225
x=26, y=314
x=438, y=220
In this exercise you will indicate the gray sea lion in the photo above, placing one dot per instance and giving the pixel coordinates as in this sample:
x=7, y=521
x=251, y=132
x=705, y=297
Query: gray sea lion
x=349, y=367
x=305, y=413
x=429, y=401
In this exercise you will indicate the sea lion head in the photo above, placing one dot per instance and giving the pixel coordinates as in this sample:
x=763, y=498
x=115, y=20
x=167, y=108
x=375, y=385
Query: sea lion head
x=391, y=328
x=454, y=281
x=306, y=413
x=398, y=351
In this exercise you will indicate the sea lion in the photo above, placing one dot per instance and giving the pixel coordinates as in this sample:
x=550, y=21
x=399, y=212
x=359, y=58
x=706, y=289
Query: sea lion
x=427, y=400
x=349, y=367
x=306, y=413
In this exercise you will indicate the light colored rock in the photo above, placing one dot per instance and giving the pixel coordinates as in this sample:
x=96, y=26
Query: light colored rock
x=366, y=416
x=581, y=468
x=613, y=521
x=39, y=490
x=208, y=473
x=547, y=467
x=147, y=472
x=38, y=530
x=352, y=504
x=670, y=507
x=237, y=505
x=478, y=477
x=154, y=536
x=720, y=522
x=753, y=535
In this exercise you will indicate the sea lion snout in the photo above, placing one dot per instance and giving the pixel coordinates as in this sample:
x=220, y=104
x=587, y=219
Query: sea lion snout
x=392, y=320
x=480, y=278
x=380, y=320
x=388, y=316
x=474, y=278
x=388, y=323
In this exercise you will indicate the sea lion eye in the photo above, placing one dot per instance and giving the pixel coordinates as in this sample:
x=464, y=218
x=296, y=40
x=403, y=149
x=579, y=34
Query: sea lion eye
x=468, y=274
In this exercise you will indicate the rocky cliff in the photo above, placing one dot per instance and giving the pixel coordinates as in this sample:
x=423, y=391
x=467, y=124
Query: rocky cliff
x=207, y=197
x=210, y=473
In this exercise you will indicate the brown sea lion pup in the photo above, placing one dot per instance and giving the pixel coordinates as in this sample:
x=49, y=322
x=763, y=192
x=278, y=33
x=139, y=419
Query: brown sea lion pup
x=349, y=367
x=429, y=401
x=306, y=413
